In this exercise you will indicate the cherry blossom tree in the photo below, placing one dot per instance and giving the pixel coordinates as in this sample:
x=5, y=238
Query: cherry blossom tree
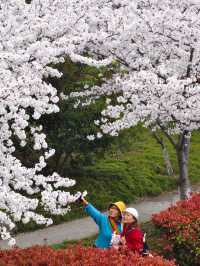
x=34, y=37
x=157, y=44
x=155, y=41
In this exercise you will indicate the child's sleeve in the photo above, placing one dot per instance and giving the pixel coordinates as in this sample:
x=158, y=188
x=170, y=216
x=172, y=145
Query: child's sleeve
x=94, y=213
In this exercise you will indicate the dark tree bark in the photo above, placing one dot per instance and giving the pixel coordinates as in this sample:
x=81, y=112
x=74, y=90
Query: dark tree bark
x=183, y=157
x=182, y=147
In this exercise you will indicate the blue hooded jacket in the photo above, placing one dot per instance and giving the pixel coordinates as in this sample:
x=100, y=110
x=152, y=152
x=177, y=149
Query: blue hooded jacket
x=105, y=231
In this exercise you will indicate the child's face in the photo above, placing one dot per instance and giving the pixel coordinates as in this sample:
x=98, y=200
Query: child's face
x=128, y=218
x=113, y=212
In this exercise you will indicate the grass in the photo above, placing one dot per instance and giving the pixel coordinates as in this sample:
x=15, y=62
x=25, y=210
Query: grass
x=131, y=169
x=87, y=242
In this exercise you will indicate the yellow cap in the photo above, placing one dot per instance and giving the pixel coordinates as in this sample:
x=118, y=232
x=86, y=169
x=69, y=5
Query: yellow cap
x=120, y=206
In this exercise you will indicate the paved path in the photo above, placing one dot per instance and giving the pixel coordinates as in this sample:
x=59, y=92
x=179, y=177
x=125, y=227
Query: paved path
x=85, y=227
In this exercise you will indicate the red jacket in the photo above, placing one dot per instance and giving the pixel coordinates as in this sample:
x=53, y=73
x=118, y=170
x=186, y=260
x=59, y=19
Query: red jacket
x=134, y=238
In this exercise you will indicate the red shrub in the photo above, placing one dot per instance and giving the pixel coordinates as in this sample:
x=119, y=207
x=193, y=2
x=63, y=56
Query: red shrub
x=181, y=224
x=76, y=256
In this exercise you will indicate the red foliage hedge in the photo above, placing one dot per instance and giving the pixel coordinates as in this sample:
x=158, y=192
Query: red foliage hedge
x=76, y=256
x=181, y=225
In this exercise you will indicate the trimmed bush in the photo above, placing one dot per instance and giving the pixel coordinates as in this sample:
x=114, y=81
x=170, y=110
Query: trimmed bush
x=180, y=224
x=76, y=256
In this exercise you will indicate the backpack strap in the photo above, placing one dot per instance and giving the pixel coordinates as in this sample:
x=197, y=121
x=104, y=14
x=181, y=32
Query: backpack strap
x=145, y=251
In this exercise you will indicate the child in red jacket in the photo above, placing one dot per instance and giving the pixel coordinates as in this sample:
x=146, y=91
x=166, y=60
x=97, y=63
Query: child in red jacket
x=132, y=236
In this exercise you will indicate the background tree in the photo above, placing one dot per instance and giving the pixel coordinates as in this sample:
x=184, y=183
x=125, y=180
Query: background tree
x=68, y=129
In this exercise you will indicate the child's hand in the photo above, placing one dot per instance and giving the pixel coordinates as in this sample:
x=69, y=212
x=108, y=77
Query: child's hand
x=81, y=199
x=84, y=201
x=123, y=241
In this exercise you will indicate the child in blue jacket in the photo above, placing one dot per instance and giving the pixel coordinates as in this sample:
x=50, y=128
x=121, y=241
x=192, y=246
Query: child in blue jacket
x=108, y=225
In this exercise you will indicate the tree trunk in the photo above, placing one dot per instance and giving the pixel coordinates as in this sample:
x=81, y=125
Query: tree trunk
x=166, y=157
x=60, y=163
x=183, y=156
x=167, y=161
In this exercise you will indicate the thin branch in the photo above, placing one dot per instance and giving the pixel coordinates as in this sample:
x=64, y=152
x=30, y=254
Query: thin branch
x=123, y=62
x=173, y=142
x=159, y=140
x=190, y=61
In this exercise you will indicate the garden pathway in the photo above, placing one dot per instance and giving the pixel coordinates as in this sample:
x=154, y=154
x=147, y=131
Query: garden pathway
x=85, y=227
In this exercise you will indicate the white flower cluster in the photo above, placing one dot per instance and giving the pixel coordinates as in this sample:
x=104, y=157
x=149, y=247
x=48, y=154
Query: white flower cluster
x=179, y=109
x=157, y=43
x=33, y=38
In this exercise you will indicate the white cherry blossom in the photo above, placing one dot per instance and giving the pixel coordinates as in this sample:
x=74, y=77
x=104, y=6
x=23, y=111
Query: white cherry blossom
x=34, y=37
x=157, y=44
